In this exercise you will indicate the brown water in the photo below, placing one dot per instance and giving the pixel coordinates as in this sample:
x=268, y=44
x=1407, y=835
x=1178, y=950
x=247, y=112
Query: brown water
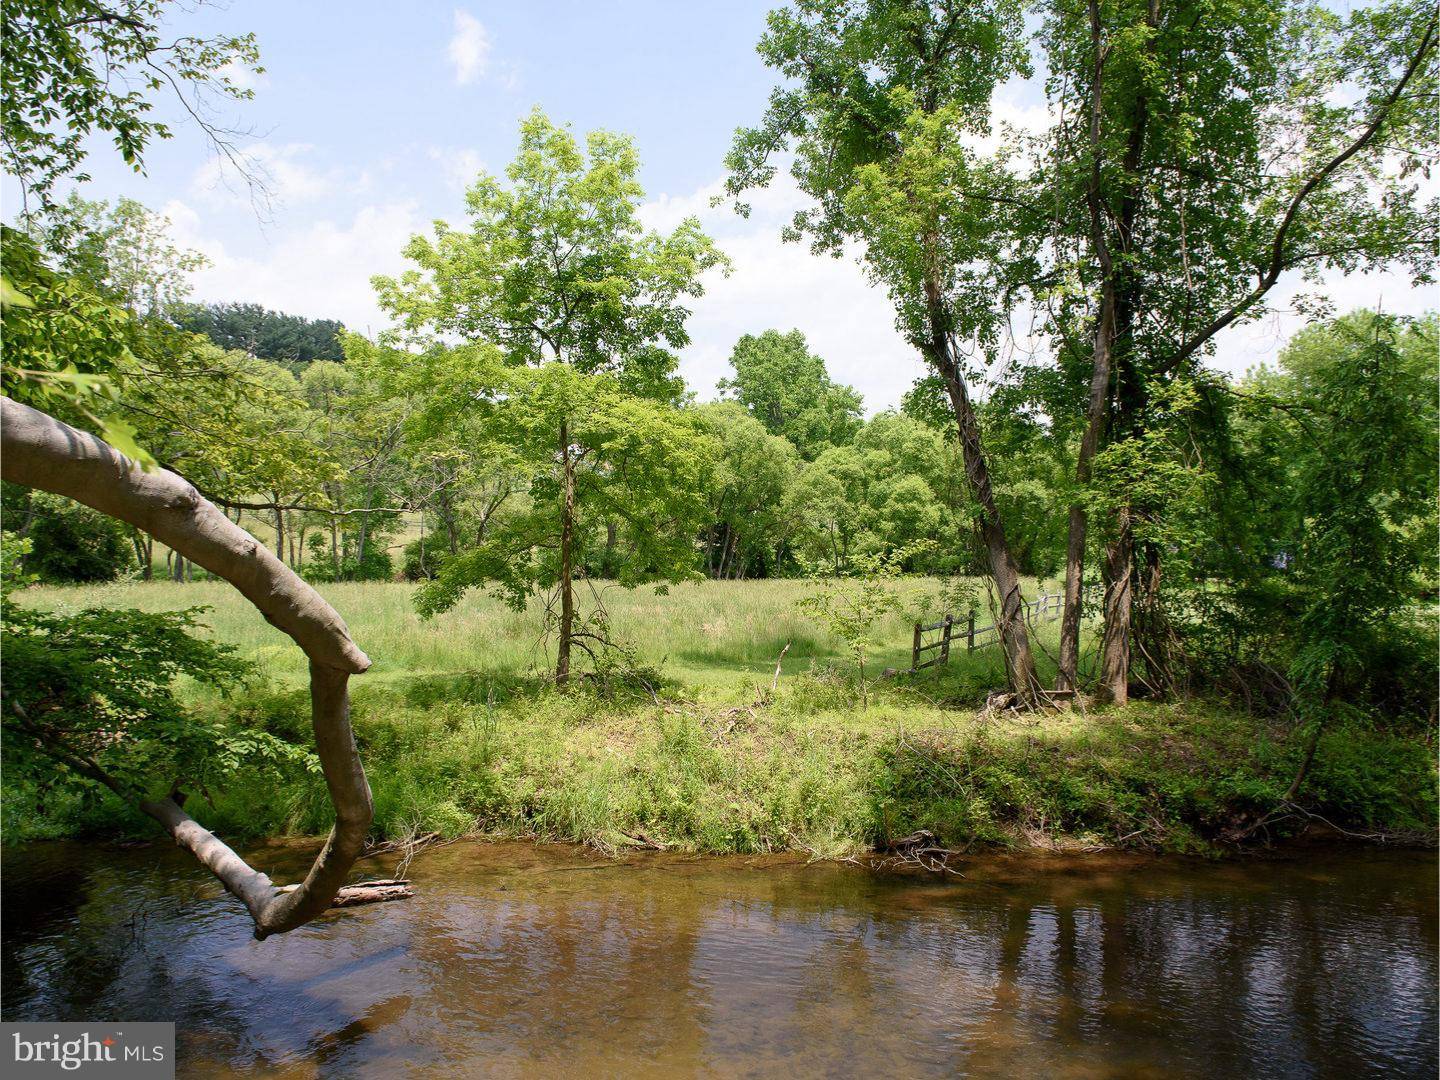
x=548, y=961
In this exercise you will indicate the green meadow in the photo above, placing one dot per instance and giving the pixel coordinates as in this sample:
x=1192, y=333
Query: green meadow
x=716, y=639
x=462, y=733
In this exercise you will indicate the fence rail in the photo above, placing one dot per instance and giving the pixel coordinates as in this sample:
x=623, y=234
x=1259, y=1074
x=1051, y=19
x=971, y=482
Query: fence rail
x=1045, y=608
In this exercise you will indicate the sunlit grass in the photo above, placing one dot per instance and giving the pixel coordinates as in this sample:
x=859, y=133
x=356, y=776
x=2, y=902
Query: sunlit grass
x=709, y=637
x=461, y=732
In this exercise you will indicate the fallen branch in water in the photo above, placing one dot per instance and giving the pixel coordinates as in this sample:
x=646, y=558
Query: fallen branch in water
x=919, y=849
x=368, y=892
x=637, y=839
x=404, y=843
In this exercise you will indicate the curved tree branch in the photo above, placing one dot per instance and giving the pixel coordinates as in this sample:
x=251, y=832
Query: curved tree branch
x=1278, y=262
x=40, y=452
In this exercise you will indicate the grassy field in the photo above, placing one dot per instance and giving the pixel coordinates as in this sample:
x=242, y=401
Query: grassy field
x=462, y=733
x=714, y=638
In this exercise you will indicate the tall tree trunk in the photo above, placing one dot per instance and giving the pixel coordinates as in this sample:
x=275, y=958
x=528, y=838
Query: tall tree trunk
x=1020, y=671
x=299, y=548
x=1095, y=410
x=567, y=557
x=723, y=569
x=142, y=554
x=445, y=511
x=364, y=540
x=1114, y=681
x=279, y=528
x=1114, y=324
x=1151, y=633
x=612, y=536
x=335, y=544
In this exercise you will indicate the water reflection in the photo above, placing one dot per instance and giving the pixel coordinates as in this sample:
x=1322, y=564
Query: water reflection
x=519, y=960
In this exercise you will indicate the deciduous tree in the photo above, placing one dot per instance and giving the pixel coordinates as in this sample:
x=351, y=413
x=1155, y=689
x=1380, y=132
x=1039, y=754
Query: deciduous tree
x=879, y=100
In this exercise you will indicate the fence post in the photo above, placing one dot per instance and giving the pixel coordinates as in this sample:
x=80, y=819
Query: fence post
x=970, y=631
x=915, y=650
x=945, y=641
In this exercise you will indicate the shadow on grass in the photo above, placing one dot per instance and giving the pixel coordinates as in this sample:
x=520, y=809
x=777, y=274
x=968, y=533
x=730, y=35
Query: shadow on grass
x=496, y=689
x=1177, y=777
x=754, y=653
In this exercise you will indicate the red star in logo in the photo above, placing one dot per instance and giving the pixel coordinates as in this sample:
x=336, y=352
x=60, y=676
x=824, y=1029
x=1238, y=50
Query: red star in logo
x=107, y=1041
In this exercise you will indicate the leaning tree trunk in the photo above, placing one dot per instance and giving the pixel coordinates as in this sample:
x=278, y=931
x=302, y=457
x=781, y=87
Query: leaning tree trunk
x=567, y=557
x=41, y=452
x=1114, y=680
x=1010, y=625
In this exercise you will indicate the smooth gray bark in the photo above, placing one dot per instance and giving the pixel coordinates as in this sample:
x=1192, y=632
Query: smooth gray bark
x=39, y=451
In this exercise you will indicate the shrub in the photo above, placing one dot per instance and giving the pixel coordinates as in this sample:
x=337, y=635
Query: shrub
x=72, y=543
x=422, y=559
x=378, y=566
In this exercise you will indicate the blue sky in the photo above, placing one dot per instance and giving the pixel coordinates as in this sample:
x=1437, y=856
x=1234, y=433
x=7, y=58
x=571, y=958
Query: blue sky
x=371, y=118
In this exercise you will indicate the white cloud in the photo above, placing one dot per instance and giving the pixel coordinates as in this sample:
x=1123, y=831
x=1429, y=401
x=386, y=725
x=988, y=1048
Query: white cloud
x=1010, y=117
x=281, y=167
x=322, y=270
x=1240, y=348
x=780, y=286
x=850, y=322
x=460, y=165
x=243, y=77
x=774, y=285
x=469, y=48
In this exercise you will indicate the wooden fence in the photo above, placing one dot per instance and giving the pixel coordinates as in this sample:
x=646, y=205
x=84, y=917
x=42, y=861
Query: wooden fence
x=1046, y=608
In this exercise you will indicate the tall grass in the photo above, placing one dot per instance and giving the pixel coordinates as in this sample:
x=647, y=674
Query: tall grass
x=712, y=637
x=461, y=731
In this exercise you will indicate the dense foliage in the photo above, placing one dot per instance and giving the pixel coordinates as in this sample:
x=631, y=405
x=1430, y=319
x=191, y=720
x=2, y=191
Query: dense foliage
x=292, y=340
x=785, y=386
x=91, y=702
x=67, y=543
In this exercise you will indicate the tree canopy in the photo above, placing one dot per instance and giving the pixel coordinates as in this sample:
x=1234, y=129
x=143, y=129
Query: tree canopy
x=292, y=340
x=74, y=68
x=785, y=386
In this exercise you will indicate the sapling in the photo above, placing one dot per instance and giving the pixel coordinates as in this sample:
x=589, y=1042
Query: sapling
x=850, y=606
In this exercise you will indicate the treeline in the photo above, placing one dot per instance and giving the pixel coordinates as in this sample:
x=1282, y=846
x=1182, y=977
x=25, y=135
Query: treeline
x=291, y=340
x=333, y=459
x=526, y=414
